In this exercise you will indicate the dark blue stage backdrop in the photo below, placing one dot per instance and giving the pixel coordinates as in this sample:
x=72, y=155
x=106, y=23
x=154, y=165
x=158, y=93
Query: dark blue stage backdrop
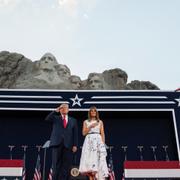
x=131, y=118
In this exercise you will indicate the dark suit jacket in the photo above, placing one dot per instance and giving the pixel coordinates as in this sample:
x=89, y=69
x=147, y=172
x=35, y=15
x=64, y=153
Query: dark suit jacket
x=68, y=135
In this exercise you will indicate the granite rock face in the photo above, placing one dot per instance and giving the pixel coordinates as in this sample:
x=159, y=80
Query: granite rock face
x=12, y=67
x=19, y=72
x=115, y=78
x=141, y=85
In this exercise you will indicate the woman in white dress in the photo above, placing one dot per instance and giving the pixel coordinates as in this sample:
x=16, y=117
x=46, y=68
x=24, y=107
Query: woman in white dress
x=93, y=157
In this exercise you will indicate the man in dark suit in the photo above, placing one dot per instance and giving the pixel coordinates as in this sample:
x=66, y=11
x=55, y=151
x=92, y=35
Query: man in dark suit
x=63, y=141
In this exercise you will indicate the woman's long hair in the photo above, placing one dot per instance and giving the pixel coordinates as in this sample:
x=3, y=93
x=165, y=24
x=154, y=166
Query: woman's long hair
x=97, y=113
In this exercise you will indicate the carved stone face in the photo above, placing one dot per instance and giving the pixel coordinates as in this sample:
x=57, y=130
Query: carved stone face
x=121, y=78
x=95, y=81
x=63, y=71
x=75, y=82
x=47, y=62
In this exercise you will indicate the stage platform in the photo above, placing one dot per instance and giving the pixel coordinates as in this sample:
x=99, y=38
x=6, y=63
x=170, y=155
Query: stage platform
x=135, y=122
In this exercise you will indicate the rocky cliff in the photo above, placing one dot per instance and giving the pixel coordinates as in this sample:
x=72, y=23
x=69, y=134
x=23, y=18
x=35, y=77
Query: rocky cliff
x=17, y=71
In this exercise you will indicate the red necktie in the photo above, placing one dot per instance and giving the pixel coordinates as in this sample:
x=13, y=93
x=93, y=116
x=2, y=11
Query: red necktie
x=64, y=121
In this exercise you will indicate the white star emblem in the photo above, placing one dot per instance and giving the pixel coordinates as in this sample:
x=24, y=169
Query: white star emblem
x=76, y=100
x=178, y=100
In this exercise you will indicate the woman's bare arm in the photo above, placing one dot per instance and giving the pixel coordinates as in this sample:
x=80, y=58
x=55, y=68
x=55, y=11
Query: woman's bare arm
x=102, y=131
x=85, y=129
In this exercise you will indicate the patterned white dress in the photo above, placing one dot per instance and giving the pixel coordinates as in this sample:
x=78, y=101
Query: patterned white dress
x=93, y=155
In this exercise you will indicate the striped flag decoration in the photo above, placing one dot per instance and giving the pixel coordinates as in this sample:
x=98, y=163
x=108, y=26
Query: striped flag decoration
x=125, y=158
x=50, y=174
x=123, y=177
x=111, y=168
x=24, y=167
x=24, y=162
x=37, y=172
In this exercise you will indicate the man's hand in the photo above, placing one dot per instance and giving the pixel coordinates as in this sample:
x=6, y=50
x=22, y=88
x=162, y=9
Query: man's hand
x=74, y=149
x=58, y=109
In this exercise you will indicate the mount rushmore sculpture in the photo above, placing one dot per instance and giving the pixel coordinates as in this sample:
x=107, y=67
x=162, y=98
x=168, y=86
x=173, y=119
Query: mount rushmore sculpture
x=17, y=71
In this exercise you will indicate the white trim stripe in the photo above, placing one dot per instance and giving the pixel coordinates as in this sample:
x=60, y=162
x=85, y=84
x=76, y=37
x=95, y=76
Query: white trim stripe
x=11, y=171
x=38, y=97
x=33, y=102
x=84, y=109
x=152, y=173
x=129, y=97
x=68, y=90
x=176, y=133
x=129, y=102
